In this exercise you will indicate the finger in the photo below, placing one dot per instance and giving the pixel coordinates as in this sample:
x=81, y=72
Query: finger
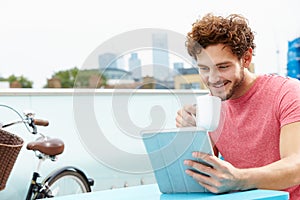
x=211, y=160
x=191, y=109
x=190, y=114
x=206, y=181
x=209, y=187
x=200, y=168
x=199, y=177
x=184, y=119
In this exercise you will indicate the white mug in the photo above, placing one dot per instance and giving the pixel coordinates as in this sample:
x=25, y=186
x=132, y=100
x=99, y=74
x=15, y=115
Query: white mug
x=208, y=112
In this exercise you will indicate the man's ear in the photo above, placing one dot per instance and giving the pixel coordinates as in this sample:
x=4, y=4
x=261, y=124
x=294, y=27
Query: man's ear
x=247, y=58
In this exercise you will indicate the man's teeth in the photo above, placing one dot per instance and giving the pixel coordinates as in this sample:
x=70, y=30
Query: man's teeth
x=219, y=85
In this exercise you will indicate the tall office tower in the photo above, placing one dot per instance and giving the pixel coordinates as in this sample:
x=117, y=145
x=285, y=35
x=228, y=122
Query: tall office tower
x=135, y=67
x=107, y=60
x=160, y=57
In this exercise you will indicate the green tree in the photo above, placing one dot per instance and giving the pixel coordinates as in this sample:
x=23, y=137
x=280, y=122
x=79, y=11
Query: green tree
x=25, y=83
x=78, y=78
x=67, y=77
x=84, y=79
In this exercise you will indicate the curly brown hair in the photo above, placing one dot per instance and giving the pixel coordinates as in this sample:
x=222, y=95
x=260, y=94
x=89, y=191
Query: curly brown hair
x=232, y=31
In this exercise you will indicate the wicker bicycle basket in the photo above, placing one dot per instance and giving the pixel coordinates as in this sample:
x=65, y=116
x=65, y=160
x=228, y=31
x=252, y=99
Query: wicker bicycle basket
x=10, y=146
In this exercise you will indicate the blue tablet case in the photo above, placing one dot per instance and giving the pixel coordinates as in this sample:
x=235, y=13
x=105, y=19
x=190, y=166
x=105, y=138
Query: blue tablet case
x=167, y=150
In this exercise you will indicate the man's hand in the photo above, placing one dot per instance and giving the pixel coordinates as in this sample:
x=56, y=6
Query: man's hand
x=219, y=178
x=184, y=116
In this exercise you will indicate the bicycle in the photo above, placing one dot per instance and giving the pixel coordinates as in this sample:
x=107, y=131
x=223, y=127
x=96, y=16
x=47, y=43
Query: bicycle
x=63, y=181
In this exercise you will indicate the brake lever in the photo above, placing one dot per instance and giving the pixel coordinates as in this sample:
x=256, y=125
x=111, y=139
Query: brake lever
x=31, y=124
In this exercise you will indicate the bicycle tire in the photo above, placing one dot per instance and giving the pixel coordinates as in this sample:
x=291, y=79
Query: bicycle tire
x=65, y=181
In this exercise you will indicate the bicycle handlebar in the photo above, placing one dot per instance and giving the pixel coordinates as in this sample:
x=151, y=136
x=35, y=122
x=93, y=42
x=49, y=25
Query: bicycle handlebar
x=41, y=122
x=28, y=120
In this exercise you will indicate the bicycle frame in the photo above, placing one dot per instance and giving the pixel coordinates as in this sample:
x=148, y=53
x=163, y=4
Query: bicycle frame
x=34, y=186
x=43, y=190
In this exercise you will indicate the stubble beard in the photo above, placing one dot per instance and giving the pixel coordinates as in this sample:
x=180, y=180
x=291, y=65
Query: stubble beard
x=233, y=89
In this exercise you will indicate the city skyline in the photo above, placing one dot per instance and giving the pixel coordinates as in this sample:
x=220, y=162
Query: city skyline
x=159, y=60
x=134, y=63
x=40, y=38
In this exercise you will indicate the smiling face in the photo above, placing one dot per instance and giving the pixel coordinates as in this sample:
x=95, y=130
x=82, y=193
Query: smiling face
x=222, y=72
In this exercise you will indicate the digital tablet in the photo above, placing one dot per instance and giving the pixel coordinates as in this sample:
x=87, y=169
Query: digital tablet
x=167, y=150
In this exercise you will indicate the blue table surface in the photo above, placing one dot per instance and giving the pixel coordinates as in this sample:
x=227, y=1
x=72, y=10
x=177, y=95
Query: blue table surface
x=147, y=192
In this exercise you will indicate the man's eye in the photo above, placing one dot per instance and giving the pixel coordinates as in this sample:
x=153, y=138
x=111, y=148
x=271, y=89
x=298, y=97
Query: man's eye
x=203, y=68
x=223, y=66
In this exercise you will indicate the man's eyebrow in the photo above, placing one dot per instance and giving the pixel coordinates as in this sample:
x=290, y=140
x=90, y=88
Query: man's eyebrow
x=218, y=64
x=223, y=63
x=201, y=65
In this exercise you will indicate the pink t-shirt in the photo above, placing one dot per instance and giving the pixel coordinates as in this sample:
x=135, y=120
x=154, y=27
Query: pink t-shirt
x=249, y=130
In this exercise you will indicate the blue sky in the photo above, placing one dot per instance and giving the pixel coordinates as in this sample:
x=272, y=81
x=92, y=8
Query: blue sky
x=38, y=38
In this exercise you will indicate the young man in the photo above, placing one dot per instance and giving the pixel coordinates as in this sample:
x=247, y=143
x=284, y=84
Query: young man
x=259, y=131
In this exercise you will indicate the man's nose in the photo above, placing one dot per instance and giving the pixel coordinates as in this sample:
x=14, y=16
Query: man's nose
x=214, y=76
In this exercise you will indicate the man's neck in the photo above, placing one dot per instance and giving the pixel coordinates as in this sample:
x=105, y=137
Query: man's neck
x=249, y=80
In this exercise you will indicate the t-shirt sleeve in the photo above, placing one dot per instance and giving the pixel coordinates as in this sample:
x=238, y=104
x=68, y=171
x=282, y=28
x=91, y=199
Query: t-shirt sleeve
x=289, y=102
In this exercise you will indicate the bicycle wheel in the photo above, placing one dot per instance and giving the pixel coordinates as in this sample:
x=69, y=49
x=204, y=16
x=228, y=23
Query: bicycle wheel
x=65, y=181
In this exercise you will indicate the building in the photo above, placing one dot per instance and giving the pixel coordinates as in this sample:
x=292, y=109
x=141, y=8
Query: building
x=135, y=67
x=107, y=60
x=188, y=78
x=293, y=57
x=118, y=78
x=116, y=74
x=177, y=66
x=54, y=83
x=160, y=56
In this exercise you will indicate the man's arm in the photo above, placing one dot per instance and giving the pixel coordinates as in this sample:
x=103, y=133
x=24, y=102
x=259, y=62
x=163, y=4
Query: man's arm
x=285, y=172
x=224, y=177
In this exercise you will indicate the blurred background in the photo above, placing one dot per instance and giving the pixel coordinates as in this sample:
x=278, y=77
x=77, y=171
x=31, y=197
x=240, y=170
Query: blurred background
x=43, y=40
